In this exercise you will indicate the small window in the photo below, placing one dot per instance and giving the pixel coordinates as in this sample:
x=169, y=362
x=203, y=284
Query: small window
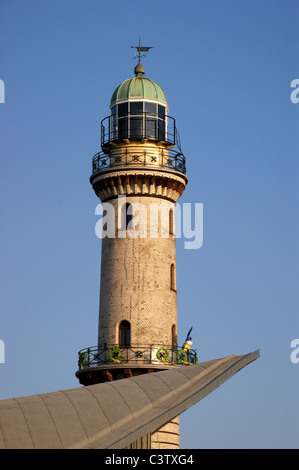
x=124, y=333
x=172, y=278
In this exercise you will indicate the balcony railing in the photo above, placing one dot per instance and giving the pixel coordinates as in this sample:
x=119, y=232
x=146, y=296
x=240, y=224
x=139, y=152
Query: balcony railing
x=138, y=126
x=139, y=156
x=136, y=355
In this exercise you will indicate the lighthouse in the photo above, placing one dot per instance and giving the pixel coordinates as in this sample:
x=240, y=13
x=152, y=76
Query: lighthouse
x=139, y=175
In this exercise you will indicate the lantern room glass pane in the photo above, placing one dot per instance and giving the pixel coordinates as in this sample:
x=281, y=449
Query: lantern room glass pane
x=161, y=129
x=113, y=127
x=136, y=107
x=161, y=110
x=136, y=125
x=161, y=122
x=150, y=107
x=123, y=128
x=123, y=109
x=151, y=127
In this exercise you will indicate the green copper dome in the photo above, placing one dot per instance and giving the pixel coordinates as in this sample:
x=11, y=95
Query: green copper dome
x=138, y=87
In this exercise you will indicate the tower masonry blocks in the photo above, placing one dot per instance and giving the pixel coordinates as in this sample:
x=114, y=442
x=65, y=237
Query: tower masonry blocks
x=138, y=275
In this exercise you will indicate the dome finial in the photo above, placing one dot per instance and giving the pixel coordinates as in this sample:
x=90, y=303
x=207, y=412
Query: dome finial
x=139, y=69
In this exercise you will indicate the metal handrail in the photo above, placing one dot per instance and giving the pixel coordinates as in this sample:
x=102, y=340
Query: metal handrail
x=139, y=156
x=137, y=126
x=157, y=354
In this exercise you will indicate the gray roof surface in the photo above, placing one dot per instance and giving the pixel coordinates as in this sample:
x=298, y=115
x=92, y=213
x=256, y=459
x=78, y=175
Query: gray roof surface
x=111, y=415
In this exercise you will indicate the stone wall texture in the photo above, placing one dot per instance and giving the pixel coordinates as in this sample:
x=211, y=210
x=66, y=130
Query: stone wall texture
x=138, y=279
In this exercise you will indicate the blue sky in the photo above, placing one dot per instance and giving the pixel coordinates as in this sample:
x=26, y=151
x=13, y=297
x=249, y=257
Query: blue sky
x=226, y=69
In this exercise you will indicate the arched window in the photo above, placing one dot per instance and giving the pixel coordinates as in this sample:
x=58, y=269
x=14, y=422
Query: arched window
x=124, y=333
x=126, y=216
x=172, y=278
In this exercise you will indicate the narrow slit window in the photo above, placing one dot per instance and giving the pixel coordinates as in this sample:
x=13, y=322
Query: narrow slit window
x=173, y=336
x=171, y=221
x=172, y=278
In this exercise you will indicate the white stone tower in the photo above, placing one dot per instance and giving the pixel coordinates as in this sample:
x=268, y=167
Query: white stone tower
x=139, y=175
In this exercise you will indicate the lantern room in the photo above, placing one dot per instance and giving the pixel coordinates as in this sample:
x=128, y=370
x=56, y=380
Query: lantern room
x=139, y=111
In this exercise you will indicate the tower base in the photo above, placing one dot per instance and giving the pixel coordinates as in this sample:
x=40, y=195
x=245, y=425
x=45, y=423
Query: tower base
x=167, y=437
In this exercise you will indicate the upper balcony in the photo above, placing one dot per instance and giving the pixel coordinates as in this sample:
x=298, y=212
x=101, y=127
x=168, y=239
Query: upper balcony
x=139, y=156
x=140, y=126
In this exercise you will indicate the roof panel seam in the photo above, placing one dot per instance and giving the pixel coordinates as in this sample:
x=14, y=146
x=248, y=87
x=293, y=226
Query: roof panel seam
x=100, y=403
x=76, y=411
x=25, y=422
x=144, y=390
x=56, y=429
x=134, y=412
x=2, y=432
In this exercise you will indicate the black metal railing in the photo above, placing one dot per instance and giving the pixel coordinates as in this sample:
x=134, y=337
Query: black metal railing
x=138, y=126
x=136, y=355
x=139, y=156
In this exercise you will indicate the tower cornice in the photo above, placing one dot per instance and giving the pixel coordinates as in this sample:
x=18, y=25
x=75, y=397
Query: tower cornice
x=136, y=182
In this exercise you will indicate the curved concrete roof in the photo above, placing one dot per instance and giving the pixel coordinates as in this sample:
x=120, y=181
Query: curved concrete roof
x=114, y=414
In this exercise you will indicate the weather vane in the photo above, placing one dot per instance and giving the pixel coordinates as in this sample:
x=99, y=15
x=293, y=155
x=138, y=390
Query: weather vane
x=141, y=49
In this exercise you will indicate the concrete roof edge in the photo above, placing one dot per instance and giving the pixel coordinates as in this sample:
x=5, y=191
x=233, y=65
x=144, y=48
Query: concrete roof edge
x=214, y=377
x=111, y=415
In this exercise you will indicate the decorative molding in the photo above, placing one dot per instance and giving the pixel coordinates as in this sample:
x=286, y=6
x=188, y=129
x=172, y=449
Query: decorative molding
x=138, y=183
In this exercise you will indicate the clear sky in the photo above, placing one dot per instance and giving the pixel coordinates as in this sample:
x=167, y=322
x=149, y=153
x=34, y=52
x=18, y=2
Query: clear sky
x=226, y=68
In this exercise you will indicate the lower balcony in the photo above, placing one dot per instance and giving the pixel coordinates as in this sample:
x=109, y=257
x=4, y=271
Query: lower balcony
x=112, y=362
